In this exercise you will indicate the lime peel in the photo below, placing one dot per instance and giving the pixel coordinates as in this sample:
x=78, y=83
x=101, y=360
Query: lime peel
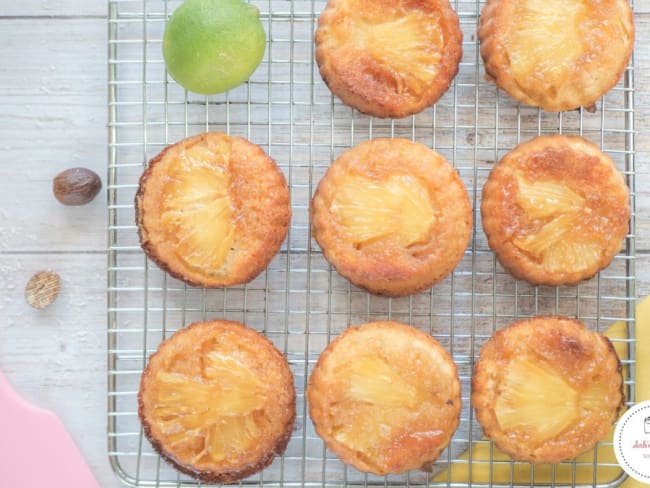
x=212, y=46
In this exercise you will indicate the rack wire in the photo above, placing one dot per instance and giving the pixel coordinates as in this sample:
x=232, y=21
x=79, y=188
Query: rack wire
x=299, y=302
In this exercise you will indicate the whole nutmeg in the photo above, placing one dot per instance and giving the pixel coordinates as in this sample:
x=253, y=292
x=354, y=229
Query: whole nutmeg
x=42, y=289
x=76, y=186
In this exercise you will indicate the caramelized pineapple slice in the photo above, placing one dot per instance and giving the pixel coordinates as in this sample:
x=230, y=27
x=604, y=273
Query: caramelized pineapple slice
x=596, y=398
x=548, y=236
x=536, y=400
x=545, y=42
x=399, y=208
x=406, y=46
x=543, y=199
x=557, y=244
x=383, y=395
x=367, y=432
x=230, y=436
x=213, y=414
x=372, y=380
x=198, y=211
x=576, y=256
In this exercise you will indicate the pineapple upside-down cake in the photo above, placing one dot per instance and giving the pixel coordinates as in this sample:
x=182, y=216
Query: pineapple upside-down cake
x=212, y=210
x=555, y=210
x=547, y=389
x=392, y=216
x=217, y=401
x=385, y=397
x=388, y=58
x=556, y=54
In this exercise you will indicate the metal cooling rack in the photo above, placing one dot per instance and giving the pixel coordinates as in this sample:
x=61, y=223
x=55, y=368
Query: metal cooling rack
x=299, y=302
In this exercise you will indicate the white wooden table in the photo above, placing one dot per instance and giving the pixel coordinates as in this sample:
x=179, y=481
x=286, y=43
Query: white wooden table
x=53, y=116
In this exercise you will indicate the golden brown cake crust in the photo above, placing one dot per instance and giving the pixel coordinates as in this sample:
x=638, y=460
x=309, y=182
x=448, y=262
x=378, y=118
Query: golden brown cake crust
x=595, y=225
x=422, y=406
x=388, y=58
x=587, y=60
x=566, y=347
x=260, y=203
x=385, y=266
x=185, y=355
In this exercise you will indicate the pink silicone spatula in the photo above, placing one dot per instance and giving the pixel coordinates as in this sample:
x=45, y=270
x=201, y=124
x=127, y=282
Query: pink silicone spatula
x=35, y=449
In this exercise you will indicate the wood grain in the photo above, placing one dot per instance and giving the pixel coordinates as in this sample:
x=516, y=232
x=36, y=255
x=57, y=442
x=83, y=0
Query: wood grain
x=55, y=357
x=54, y=117
x=54, y=8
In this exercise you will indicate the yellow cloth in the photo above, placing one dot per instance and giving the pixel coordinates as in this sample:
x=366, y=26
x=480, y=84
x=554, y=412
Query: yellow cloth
x=481, y=470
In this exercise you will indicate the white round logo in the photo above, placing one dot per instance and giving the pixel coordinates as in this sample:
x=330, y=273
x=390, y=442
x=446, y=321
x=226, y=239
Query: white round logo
x=632, y=442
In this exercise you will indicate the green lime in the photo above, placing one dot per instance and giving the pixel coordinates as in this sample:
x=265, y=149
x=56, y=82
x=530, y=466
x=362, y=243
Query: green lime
x=211, y=46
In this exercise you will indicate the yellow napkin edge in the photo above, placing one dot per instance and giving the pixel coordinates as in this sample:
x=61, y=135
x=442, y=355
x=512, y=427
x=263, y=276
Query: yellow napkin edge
x=483, y=472
x=642, y=335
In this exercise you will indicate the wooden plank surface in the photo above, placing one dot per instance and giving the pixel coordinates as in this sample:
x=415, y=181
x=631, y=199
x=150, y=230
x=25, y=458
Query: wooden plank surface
x=56, y=358
x=53, y=117
x=54, y=9
x=53, y=80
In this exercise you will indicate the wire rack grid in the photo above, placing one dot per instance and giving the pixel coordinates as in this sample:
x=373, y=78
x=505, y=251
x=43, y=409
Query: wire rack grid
x=299, y=302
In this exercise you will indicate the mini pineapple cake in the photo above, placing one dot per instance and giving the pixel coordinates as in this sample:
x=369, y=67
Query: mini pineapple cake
x=547, y=389
x=388, y=58
x=385, y=398
x=217, y=401
x=556, y=54
x=392, y=216
x=212, y=210
x=555, y=210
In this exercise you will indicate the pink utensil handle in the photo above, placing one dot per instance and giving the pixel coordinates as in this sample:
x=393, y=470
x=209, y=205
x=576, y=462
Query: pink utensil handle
x=35, y=448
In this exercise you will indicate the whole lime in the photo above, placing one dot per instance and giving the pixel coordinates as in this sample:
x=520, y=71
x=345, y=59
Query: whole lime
x=211, y=46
